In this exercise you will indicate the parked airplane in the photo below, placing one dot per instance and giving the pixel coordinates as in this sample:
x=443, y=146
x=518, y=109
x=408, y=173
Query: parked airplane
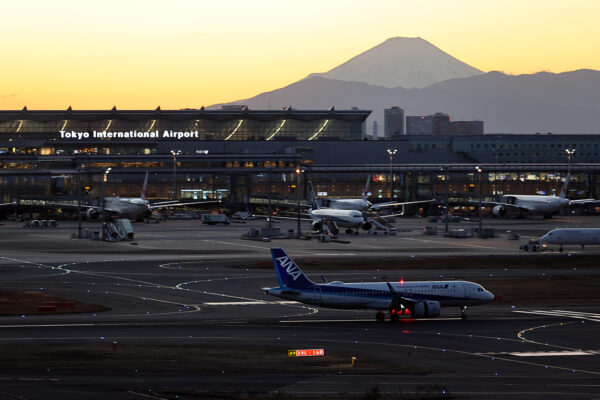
x=363, y=204
x=131, y=207
x=420, y=298
x=581, y=236
x=535, y=204
x=350, y=219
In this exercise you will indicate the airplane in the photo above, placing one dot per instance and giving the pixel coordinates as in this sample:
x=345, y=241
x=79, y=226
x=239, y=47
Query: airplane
x=422, y=299
x=349, y=219
x=535, y=204
x=131, y=207
x=363, y=204
x=581, y=236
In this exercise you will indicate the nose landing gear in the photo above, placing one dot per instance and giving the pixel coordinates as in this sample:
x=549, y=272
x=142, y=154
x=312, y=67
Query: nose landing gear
x=463, y=313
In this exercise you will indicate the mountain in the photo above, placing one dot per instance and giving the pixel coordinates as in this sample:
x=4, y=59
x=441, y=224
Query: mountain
x=560, y=103
x=421, y=79
x=405, y=62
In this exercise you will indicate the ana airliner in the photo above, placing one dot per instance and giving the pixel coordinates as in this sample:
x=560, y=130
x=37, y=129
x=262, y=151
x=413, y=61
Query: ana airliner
x=421, y=298
x=350, y=219
x=580, y=236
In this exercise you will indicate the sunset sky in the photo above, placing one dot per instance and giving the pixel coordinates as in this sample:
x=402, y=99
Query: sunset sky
x=176, y=54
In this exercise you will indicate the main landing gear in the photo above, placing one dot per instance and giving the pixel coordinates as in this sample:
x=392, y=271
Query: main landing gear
x=394, y=315
x=463, y=313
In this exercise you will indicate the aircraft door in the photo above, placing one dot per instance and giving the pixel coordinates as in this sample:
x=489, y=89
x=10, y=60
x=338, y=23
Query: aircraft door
x=317, y=295
x=467, y=288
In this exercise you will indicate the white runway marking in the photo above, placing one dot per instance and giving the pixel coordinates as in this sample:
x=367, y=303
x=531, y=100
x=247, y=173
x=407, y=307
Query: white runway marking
x=453, y=244
x=236, y=244
x=563, y=313
x=545, y=353
x=247, y=303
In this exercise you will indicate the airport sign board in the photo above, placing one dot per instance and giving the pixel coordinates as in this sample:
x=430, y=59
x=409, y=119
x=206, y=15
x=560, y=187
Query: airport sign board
x=306, y=353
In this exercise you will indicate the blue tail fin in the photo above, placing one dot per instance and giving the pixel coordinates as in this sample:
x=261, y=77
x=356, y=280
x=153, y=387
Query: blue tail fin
x=313, y=199
x=288, y=273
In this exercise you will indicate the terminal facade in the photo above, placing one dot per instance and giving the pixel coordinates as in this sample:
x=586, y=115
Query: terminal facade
x=235, y=154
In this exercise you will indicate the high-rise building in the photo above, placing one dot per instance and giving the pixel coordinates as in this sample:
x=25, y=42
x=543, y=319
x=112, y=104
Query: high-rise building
x=374, y=130
x=440, y=124
x=393, y=121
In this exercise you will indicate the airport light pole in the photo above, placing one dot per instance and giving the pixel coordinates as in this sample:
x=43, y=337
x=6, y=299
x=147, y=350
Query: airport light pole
x=298, y=173
x=104, y=179
x=445, y=169
x=269, y=219
x=480, y=199
x=569, y=152
x=391, y=153
x=79, y=202
x=175, y=154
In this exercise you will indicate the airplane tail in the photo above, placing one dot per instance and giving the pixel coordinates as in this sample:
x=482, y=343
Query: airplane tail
x=563, y=192
x=365, y=193
x=313, y=199
x=143, y=195
x=288, y=273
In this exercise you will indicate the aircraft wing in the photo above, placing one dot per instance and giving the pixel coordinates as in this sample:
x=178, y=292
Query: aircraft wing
x=508, y=206
x=377, y=206
x=8, y=204
x=276, y=217
x=386, y=216
x=583, y=202
x=71, y=205
x=168, y=204
x=399, y=300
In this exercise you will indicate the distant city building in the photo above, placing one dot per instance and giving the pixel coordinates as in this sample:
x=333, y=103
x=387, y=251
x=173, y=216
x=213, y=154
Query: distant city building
x=393, y=121
x=419, y=125
x=441, y=124
x=374, y=130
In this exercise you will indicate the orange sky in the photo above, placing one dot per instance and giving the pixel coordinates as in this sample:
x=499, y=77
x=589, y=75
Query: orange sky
x=140, y=54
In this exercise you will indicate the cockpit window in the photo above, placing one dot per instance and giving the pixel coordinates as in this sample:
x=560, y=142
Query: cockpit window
x=479, y=289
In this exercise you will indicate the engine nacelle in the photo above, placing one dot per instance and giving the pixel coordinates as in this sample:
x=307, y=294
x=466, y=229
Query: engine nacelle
x=92, y=213
x=499, y=211
x=366, y=226
x=425, y=309
x=317, y=225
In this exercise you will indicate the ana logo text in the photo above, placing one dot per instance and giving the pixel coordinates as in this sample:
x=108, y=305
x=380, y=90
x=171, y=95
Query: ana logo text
x=440, y=286
x=290, y=268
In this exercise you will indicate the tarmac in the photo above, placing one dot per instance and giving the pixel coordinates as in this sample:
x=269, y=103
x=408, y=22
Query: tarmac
x=186, y=284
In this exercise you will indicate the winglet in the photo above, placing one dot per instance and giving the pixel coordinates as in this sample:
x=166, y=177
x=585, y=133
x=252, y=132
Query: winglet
x=288, y=273
x=313, y=199
x=365, y=193
x=143, y=195
x=563, y=192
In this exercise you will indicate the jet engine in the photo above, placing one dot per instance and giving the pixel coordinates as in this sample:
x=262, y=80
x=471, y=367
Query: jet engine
x=92, y=213
x=499, y=211
x=366, y=226
x=424, y=309
x=317, y=225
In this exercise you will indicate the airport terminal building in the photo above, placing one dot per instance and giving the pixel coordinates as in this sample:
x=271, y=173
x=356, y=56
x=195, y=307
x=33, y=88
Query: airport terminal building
x=234, y=154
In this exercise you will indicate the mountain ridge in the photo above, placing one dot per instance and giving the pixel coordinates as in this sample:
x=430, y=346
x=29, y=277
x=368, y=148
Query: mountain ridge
x=401, y=62
x=565, y=102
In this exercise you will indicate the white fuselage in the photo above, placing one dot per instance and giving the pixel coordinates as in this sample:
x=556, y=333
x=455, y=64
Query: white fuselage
x=342, y=218
x=536, y=204
x=126, y=206
x=377, y=296
x=581, y=236
x=349, y=204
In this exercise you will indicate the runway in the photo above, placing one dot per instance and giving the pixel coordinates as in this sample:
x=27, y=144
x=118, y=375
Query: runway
x=202, y=298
